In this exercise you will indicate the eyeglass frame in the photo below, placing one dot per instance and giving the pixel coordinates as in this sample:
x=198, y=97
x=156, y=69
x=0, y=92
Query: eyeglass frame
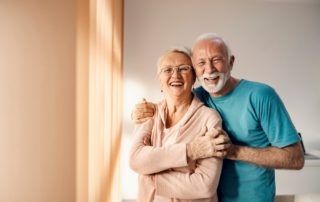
x=176, y=68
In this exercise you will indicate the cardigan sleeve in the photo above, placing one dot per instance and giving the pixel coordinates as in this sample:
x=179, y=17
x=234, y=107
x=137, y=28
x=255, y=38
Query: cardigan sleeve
x=146, y=159
x=202, y=183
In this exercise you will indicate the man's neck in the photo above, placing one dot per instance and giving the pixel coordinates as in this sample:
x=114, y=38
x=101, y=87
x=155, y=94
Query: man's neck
x=230, y=85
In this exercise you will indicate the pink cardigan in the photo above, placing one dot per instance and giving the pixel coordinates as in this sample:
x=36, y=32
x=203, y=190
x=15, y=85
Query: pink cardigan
x=164, y=173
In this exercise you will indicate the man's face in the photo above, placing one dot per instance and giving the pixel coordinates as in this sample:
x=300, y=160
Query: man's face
x=212, y=65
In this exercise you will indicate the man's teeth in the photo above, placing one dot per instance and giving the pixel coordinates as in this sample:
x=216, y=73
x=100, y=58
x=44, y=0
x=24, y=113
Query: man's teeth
x=211, y=78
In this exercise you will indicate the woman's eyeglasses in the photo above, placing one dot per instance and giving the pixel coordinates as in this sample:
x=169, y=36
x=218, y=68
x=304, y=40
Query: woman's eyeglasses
x=182, y=69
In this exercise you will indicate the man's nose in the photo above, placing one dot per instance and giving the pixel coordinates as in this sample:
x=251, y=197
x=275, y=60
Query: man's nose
x=209, y=68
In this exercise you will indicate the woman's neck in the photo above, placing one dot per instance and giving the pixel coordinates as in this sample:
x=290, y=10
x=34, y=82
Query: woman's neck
x=177, y=107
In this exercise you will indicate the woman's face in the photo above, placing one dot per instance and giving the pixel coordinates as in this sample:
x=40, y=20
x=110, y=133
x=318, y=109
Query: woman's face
x=176, y=76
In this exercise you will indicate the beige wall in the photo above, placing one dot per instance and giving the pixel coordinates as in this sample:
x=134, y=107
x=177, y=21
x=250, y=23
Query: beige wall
x=37, y=96
x=274, y=41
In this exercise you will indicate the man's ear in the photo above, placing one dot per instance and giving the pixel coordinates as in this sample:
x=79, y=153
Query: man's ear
x=231, y=61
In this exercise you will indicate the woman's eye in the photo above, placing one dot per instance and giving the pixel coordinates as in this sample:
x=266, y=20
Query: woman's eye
x=167, y=70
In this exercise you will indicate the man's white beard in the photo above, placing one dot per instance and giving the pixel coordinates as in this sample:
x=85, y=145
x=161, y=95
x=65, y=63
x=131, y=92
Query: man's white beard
x=214, y=88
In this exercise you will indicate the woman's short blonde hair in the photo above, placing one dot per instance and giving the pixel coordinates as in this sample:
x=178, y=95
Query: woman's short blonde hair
x=177, y=49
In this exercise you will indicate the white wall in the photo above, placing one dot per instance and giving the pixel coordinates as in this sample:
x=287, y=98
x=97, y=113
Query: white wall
x=37, y=96
x=274, y=41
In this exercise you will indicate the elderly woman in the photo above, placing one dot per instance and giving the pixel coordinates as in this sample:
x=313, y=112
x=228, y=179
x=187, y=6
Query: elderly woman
x=178, y=119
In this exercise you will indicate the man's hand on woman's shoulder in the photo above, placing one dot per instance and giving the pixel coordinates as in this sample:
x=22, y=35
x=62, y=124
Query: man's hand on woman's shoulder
x=143, y=111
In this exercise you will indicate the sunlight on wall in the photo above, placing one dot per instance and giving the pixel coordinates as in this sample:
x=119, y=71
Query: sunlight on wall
x=134, y=91
x=129, y=179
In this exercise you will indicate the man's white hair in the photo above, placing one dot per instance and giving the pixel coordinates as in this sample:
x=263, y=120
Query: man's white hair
x=213, y=36
x=176, y=49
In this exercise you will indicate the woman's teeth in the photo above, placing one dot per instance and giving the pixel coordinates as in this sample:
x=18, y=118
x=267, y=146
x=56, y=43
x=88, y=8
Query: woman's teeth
x=176, y=84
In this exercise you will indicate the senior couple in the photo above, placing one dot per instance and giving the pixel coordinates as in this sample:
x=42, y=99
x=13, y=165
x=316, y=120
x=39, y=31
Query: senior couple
x=219, y=142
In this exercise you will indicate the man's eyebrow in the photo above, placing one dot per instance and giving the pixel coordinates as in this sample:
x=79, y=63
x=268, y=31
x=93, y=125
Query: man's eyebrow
x=217, y=57
x=211, y=58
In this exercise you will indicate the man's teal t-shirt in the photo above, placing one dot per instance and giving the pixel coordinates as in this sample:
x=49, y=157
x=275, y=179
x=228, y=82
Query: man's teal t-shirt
x=253, y=115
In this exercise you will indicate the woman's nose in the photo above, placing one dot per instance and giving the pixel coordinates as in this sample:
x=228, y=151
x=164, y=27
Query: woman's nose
x=176, y=73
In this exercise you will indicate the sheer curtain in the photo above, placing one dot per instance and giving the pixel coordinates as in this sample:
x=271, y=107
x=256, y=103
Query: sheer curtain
x=99, y=99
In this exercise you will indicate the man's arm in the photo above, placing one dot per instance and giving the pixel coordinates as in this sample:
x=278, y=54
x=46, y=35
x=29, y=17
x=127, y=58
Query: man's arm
x=289, y=157
x=213, y=143
x=147, y=159
x=285, y=151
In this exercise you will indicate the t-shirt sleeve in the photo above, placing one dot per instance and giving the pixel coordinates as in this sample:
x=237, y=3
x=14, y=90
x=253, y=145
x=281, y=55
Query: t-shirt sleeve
x=274, y=118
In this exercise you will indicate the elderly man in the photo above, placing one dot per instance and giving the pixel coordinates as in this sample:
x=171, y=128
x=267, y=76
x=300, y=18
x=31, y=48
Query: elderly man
x=262, y=134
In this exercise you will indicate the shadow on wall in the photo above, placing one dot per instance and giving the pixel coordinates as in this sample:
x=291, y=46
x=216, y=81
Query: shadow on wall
x=289, y=198
x=298, y=198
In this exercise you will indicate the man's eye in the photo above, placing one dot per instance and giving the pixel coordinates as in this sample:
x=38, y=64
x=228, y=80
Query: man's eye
x=218, y=60
x=201, y=63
